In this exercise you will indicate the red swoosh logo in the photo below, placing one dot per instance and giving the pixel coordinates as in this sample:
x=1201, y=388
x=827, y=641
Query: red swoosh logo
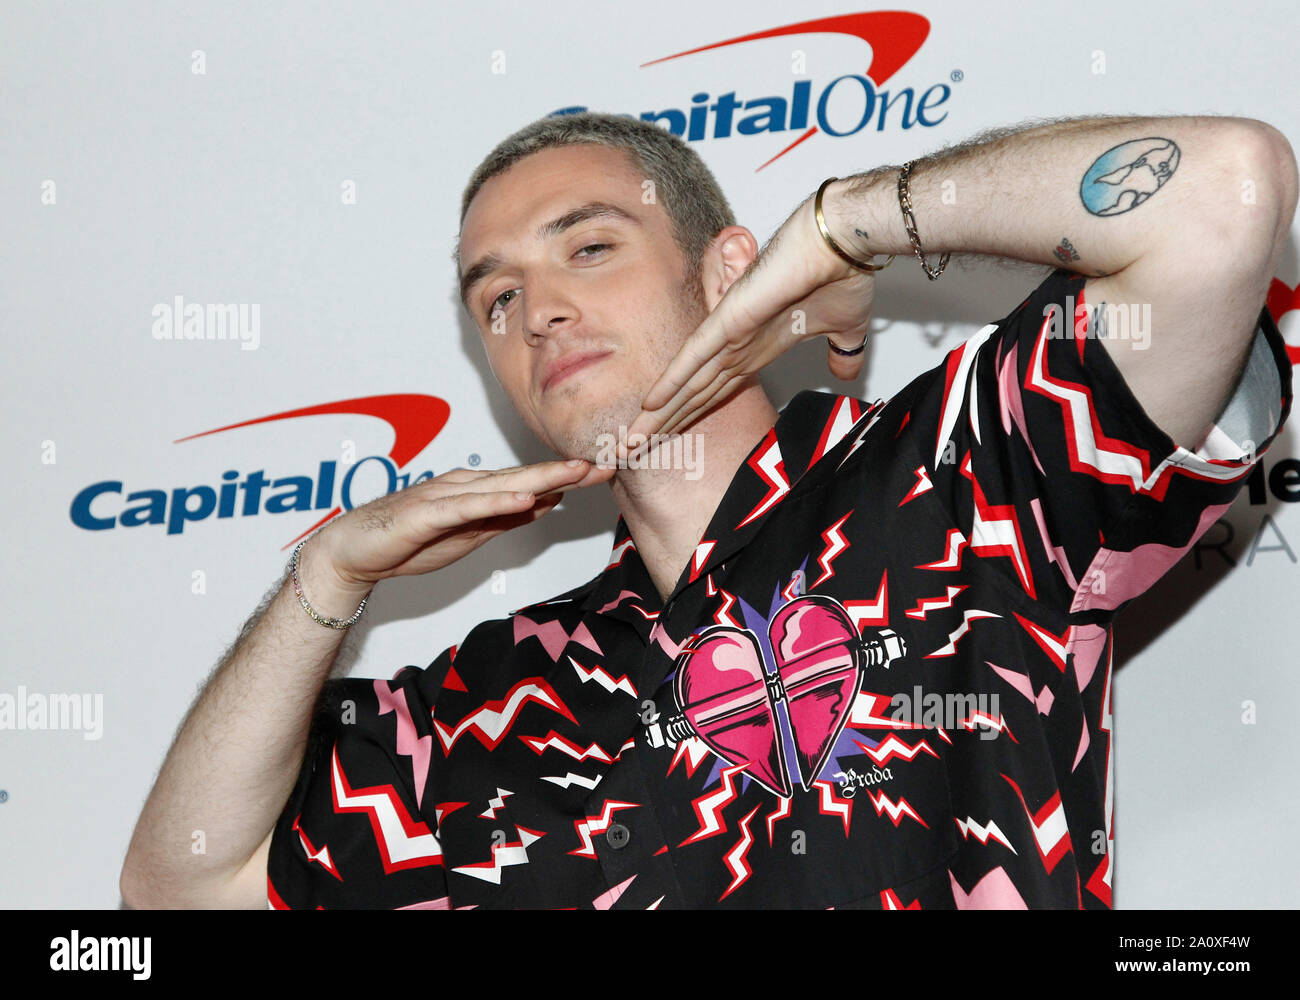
x=893, y=35
x=1282, y=299
x=416, y=420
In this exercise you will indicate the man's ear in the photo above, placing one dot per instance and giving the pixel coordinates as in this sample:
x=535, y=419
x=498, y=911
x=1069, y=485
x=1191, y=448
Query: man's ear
x=726, y=259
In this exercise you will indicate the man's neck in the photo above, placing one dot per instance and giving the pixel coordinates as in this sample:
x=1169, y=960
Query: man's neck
x=668, y=509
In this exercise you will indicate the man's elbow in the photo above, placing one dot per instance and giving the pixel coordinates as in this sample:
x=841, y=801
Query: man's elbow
x=133, y=891
x=1269, y=185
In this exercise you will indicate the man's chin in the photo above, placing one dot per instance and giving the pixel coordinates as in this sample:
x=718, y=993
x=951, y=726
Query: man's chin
x=596, y=435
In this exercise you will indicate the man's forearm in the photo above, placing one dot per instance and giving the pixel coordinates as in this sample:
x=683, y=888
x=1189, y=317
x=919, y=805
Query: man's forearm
x=236, y=756
x=1090, y=195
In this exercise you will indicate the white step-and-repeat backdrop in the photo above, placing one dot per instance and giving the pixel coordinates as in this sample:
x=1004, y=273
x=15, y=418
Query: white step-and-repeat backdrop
x=304, y=163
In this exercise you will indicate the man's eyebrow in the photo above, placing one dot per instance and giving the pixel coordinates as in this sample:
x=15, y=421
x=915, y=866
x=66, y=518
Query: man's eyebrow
x=488, y=263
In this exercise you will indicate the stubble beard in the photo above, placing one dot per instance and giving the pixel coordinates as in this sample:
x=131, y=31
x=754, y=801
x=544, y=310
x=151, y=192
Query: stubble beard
x=599, y=423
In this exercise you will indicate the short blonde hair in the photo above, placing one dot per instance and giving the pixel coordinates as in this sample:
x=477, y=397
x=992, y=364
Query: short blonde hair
x=683, y=184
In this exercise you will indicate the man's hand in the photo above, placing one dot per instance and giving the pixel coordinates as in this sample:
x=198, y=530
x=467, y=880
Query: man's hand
x=795, y=288
x=432, y=524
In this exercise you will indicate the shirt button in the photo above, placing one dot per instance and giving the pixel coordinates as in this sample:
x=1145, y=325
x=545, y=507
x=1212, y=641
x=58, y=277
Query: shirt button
x=618, y=836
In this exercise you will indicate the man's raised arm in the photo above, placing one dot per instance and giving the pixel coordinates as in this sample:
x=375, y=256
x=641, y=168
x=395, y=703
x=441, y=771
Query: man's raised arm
x=238, y=752
x=1179, y=219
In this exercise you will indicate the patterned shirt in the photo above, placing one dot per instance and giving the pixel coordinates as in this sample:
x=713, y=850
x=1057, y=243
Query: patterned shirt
x=883, y=679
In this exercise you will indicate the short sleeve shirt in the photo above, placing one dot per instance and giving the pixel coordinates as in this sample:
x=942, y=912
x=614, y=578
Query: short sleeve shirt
x=883, y=679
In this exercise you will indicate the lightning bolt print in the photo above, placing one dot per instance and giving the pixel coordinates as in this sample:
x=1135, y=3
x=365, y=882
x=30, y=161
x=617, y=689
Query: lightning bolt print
x=978, y=718
x=847, y=412
x=781, y=811
x=1051, y=834
x=552, y=636
x=606, y=681
x=321, y=856
x=873, y=415
x=418, y=748
x=735, y=859
x=496, y=803
x=895, y=810
x=922, y=485
x=554, y=741
x=982, y=832
x=570, y=779
x=700, y=557
x=995, y=531
x=830, y=804
x=1090, y=451
x=589, y=825
x=927, y=604
x=873, y=612
x=889, y=901
x=954, y=545
x=973, y=615
x=617, y=553
x=692, y=750
x=606, y=900
x=835, y=544
x=490, y=723
x=403, y=842
x=960, y=362
x=770, y=468
x=503, y=856
x=708, y=807
x=723, y=615
x=869, y=712
x=1054, y=646
x=892, y=747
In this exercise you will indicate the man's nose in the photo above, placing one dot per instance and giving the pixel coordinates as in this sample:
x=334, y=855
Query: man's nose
x=547, y=309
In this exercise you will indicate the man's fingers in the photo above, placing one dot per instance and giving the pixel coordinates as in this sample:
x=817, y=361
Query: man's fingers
x=542, y=477
x=723, y=386
x=654, y=420
x=461, y=509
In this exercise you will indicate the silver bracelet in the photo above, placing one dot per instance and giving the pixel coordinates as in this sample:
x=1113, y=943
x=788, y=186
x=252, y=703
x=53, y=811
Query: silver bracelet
x=297, y=589
x=909, y=222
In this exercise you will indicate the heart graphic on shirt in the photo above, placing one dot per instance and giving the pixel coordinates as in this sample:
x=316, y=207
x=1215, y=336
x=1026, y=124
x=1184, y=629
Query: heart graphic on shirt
x=729, y=699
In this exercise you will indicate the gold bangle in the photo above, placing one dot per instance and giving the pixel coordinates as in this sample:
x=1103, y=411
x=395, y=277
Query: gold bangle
x=826, y=233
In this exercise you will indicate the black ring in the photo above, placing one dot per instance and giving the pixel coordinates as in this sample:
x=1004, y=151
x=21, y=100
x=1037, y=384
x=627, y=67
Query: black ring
x=848, y=354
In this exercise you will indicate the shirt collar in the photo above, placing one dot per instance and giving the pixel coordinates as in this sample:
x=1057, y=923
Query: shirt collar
x=810, y=427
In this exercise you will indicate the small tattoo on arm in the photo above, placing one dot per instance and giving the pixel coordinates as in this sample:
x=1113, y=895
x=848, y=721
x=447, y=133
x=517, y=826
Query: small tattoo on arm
x=1125, y=176
x=1065, y=251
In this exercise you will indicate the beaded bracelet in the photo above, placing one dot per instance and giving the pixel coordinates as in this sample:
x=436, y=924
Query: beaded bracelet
x=297, y=589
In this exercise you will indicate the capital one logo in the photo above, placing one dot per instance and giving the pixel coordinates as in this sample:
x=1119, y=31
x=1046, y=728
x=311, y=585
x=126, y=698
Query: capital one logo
x=848, y=104
x=415, y=420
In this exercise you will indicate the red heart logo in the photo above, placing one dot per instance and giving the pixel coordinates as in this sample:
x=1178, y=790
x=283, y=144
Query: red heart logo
x=729, y=699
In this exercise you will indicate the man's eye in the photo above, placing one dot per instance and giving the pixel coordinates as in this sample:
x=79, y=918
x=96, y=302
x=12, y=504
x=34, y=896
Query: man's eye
x=497, y=304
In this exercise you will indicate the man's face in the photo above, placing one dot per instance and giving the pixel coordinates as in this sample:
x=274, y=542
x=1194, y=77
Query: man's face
x=603, y=285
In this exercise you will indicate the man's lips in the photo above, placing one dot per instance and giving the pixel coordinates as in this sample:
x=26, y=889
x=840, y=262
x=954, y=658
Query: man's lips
x=566, y=366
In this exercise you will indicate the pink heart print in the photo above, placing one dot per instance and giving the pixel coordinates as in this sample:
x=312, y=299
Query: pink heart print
x=729, y=699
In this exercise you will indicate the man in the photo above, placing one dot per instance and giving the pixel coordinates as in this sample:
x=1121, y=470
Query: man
x=856, y=656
